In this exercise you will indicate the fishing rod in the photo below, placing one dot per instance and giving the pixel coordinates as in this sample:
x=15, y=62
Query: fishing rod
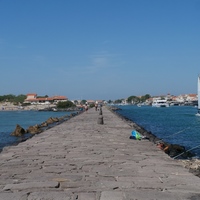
x=178, y=132
x=186, y=151
x=174, y=134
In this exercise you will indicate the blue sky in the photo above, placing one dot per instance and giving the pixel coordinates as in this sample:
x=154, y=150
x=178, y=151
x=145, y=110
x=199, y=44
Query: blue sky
x=99, y=49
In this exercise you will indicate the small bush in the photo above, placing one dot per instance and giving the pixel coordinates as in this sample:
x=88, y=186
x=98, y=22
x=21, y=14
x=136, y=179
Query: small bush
x=65, y=104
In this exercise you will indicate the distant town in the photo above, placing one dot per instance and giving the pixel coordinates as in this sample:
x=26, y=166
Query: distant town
x=186, y=99
x=33, y=101
x=171, y=100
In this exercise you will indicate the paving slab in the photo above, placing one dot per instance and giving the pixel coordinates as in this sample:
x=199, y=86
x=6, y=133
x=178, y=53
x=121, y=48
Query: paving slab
x=13, y=196
x=81, y=159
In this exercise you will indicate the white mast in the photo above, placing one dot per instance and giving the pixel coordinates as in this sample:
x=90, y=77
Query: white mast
x=198, y=86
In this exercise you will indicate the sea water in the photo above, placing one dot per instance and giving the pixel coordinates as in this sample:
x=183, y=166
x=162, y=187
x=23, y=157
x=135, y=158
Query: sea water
x=9, y=120
x=174, y=124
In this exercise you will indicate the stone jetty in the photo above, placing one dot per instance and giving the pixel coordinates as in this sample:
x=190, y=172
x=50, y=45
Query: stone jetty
x=85, y=160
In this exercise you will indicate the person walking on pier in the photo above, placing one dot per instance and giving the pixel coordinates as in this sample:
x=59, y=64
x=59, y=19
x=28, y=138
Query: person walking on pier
x=86, y=107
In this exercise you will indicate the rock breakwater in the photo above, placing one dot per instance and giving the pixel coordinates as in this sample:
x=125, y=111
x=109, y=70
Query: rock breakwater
x=173, y=150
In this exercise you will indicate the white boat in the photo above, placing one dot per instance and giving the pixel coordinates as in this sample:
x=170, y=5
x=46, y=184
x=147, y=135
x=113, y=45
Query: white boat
x=160, y=103
x=198, y=92
x=54, y=109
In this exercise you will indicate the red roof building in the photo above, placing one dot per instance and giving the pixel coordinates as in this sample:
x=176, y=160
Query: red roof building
x=32, y=98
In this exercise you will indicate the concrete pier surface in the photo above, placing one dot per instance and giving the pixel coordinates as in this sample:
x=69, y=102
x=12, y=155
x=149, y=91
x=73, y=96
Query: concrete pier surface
x=81, y=159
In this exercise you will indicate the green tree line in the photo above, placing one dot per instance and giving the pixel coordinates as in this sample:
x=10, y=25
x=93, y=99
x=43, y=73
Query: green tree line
x=134, y=99
x=65, y=104
x=13, y=98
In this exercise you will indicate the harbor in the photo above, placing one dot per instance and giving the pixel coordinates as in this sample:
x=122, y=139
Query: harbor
x=87, y=160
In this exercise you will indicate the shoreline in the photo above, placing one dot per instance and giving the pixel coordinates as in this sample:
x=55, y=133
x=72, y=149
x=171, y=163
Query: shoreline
x=191, y=163
x=11, y=107
x=28, y=135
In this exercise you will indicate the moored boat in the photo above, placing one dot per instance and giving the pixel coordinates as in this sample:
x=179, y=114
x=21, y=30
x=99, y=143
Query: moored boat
x=160, y=103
